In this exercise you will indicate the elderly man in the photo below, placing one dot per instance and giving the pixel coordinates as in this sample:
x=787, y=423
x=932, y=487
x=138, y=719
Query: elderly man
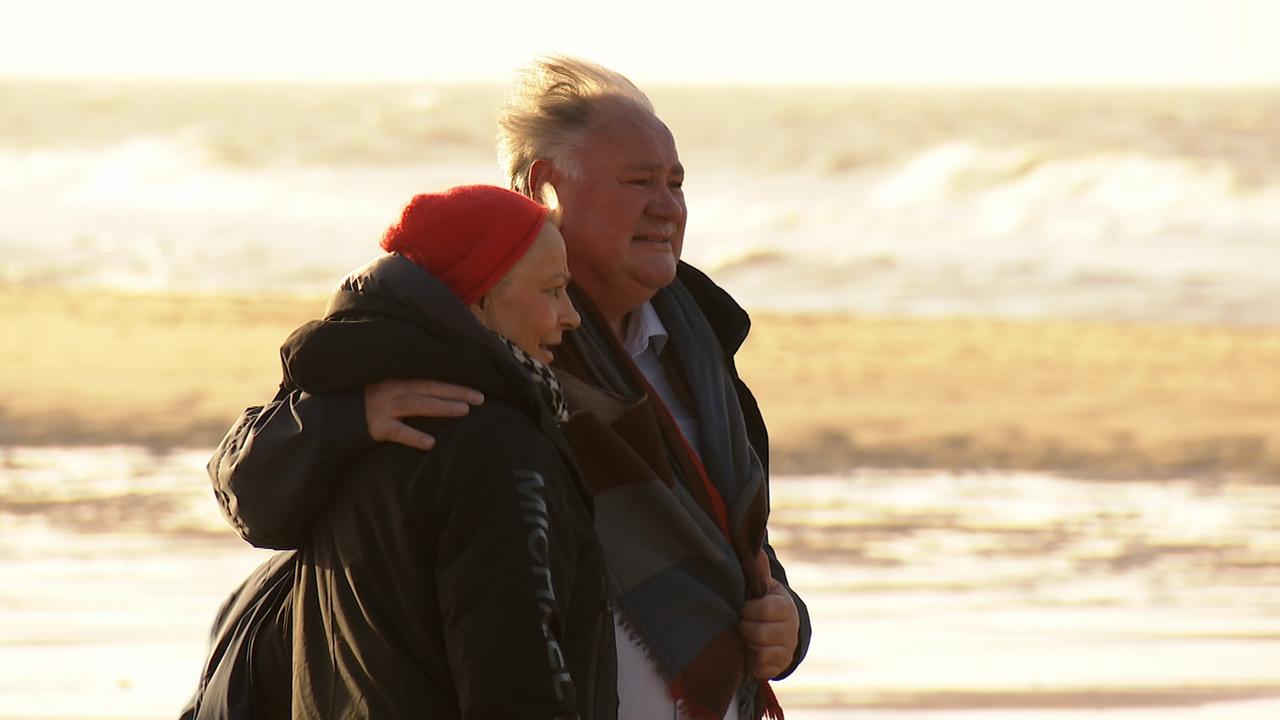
x=677, y=452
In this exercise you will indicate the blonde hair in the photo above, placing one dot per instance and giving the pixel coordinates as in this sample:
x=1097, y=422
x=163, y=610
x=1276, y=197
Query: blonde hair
x=548, y=110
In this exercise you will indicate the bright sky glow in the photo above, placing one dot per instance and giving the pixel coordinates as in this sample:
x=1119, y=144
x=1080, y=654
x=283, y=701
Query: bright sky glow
x=655, y=41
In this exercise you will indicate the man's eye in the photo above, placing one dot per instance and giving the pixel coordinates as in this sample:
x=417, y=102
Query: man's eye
x=676, y=184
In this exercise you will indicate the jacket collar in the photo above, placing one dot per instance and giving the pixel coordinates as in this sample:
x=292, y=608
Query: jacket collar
x=397, y=279
x=730, y=322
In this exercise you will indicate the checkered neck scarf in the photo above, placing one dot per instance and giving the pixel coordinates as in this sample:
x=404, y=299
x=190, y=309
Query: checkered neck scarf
x=542, y=377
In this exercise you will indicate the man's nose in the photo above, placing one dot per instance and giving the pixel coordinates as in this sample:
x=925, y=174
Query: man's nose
x=666, y=204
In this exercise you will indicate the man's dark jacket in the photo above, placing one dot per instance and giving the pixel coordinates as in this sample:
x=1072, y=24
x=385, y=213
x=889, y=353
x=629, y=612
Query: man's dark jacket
x=286, y=455
x=462, y=582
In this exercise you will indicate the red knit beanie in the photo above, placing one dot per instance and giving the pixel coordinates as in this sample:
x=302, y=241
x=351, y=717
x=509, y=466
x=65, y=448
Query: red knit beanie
x=468, y=236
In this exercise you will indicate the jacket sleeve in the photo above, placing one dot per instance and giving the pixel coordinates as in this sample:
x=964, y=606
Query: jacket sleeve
x=760, y=443
x=504, y=572
x=277, y=466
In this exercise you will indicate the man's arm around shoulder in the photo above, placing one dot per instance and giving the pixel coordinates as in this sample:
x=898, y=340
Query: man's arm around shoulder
x=277, y=465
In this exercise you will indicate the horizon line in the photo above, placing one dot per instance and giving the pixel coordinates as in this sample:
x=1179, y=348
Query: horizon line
x=915, y=84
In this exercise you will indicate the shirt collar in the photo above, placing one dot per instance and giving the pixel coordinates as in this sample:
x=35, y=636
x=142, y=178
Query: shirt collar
x=645, y=328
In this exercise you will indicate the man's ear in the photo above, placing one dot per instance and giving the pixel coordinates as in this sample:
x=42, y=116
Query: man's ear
x=541, y=171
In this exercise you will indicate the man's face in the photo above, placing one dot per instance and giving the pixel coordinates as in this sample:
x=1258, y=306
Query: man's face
x=624, y=216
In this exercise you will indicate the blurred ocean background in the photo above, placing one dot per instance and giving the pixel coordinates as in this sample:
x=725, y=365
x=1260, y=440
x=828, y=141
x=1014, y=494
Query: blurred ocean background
x=1152, y=205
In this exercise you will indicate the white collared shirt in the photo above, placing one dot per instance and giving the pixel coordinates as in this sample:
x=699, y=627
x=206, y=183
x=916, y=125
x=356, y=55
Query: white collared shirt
x=645, y=340
x=642, y=694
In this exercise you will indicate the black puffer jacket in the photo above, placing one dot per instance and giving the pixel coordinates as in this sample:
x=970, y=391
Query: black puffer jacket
x=462, y=582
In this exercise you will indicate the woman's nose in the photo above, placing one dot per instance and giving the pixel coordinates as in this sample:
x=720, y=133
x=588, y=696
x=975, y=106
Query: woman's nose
x=569, y=317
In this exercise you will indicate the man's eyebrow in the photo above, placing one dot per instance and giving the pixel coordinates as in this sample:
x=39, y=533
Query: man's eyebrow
x=563, y=276
x=676, y=169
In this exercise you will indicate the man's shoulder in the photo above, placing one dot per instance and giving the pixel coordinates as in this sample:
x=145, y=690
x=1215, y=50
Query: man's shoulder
x=727, y=318
x=699, y=283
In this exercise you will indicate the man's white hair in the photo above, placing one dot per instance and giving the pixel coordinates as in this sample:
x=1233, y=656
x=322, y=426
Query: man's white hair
x=548, y=110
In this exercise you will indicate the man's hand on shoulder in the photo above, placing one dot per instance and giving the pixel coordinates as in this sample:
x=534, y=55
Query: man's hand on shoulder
x=388, y=403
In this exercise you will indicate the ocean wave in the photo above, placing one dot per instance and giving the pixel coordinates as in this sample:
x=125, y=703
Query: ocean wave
x=865, y=201
x=257, y=126
x=962, y=230
x=159, y=214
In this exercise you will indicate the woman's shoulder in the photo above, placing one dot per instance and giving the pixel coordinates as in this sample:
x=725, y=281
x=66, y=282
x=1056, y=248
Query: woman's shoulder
x=495, y=452
x=497, y=432
x=495, y=415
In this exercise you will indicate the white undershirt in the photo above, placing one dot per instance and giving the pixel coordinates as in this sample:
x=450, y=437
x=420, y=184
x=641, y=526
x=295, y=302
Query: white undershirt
x=646, y=339
x=642, y=693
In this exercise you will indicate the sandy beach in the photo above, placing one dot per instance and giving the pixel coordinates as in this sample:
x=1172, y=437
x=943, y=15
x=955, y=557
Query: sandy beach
x=838, y=391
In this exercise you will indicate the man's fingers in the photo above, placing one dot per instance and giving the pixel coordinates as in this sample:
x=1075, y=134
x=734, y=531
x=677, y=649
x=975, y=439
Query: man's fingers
x=446, y=391
x=387, y=402
x=398, y=432
x=763, y=634
x=770, y=628
x=423, y=406
x=767, y=662
x=769, y=608
x=436, y=389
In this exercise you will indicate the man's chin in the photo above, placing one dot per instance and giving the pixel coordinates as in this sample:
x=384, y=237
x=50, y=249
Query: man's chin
x=656, y=276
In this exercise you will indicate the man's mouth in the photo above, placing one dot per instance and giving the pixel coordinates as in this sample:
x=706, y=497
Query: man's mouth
x=661, y=235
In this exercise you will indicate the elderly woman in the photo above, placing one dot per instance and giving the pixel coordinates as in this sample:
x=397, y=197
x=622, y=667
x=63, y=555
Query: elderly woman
x=465, y=581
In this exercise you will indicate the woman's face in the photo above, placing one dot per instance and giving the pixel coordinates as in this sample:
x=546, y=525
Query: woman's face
x=529, y=306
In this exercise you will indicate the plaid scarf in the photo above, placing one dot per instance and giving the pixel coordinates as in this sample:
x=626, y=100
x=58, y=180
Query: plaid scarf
x=543, y=379
x=681, y=529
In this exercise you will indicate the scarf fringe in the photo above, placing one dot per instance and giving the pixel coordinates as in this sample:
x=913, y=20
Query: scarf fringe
x=767, y=705
x=636, y=633
x=766, y=702
x=687, y=707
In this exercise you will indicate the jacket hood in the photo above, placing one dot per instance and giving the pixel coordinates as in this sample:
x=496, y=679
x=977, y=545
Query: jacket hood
x=392, y=319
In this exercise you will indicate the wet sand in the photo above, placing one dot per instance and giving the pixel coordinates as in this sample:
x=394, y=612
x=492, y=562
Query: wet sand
x=933, y=595
x=837, y=391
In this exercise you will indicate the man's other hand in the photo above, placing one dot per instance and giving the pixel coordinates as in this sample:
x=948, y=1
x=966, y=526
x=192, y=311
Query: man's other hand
x=771, y=628
x=387, y=403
